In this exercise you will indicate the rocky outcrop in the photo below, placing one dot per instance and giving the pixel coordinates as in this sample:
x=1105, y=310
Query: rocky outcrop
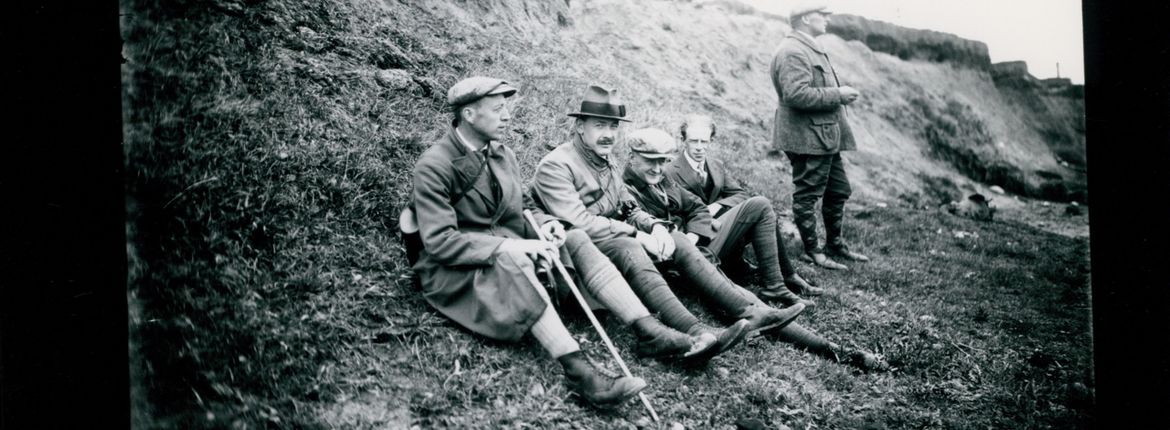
x=911, y=44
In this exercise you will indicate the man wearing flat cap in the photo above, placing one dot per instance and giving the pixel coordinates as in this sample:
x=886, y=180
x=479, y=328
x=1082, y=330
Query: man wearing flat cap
x=812, y=129
x=577, y=183
x=740, y=219
x=657, y=192
x=479, y=257
x=645, y=176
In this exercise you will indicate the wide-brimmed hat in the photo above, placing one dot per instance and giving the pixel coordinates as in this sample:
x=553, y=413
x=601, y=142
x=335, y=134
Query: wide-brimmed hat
x=474, y=88
x=602, y=103
x=652, y=143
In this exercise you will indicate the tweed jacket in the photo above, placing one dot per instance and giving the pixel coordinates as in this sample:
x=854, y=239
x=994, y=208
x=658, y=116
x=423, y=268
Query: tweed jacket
x=460, y=239
x=591, y=198
x=810, y=118
x=669, y=201
x=725, y=191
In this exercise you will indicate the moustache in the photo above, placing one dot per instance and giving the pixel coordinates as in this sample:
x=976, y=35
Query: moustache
x=605, y=141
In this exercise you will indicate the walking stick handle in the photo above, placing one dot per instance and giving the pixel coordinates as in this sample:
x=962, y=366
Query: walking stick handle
x=589, y=312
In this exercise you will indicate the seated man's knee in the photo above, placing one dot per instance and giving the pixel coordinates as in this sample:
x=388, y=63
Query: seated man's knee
x=758, y=203
x=575, y=239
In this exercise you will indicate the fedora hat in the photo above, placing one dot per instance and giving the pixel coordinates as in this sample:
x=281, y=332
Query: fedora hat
x=602, y=103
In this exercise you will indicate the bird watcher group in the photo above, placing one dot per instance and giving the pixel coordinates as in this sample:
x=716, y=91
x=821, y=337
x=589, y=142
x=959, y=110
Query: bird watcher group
x=673, y=221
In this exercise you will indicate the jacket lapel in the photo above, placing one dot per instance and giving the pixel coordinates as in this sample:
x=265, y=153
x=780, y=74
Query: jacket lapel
x=509, y=192
x=690, y=178
x=467, y=166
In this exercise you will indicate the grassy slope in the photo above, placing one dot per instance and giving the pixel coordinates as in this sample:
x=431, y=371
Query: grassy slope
x=268, y=145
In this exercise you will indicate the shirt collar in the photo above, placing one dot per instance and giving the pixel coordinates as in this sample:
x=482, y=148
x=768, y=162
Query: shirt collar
x=489, y=148
x=696, y=165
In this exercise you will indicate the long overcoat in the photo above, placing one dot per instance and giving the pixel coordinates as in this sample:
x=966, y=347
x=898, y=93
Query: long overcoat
x=461, y=224
x=810, y=118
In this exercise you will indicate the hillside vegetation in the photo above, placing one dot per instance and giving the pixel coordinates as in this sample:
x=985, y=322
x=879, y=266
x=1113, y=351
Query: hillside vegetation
x=268, y=148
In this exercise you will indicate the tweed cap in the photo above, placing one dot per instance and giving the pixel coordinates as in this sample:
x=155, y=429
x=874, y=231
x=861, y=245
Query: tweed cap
x=652, y=143
x=474, y=88
x=808, y=7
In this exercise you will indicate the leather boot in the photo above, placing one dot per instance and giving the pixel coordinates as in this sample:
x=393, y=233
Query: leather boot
x=821, y=260
x=765, y=318
x=781, y=293
x=659, y=341
x=725, y=337
x=842, y=250
x=596, y=388
x=798, y=285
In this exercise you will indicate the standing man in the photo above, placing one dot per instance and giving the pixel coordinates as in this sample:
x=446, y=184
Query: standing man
x=739, y=219
x=576, y=182
x=479, y=256
x=812, y=129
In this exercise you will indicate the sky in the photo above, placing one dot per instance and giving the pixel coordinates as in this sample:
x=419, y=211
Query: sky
x=1040, y=32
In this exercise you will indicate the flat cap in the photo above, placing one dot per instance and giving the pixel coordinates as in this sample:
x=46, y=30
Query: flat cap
x=652, y=143
x=474, y=88
x=807, y=7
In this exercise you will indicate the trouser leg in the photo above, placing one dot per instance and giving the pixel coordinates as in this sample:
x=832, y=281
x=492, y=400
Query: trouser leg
x=643, y=278
x=602, y=279
x=837, y=191
x=550, y=331
x=810, y=175
x=705, y=277
x=786, y=267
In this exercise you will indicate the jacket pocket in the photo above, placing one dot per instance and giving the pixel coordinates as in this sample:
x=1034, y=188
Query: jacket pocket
x=827, y=129
x=821, y=76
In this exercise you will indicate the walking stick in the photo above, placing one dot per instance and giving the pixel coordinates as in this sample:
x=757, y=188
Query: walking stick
x=589, y=313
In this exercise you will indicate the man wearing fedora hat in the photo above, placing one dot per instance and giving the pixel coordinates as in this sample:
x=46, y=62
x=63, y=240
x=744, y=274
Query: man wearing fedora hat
x=659, y=193
x=479, y=257
x=740, y=219
x=577, y=183
x=811, y=128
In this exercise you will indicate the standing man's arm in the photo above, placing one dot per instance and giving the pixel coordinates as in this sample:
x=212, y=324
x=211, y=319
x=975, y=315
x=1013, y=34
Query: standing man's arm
x=795, y=76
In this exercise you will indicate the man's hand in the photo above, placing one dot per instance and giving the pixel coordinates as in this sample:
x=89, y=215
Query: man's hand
x=533, y=249
x=848, y=94
x=654, y=247
x=693, y=237
x=663, y=235
x=716, y=224
x=714, y=208
x=554, y=231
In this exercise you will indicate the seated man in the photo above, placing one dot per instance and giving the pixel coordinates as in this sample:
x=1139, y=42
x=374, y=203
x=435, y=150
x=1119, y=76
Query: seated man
x=740, y=219
x=650, y=152
x=478, y=258
x=576, y=182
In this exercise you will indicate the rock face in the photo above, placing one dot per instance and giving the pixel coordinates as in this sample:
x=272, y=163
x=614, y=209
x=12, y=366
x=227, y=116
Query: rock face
x=911, y=44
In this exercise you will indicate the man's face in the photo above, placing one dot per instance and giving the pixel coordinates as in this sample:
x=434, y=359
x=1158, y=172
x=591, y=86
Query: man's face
x=697, y=143
x=651, y=170
x=818, y=23
x=489, y=117
x=598, y=134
